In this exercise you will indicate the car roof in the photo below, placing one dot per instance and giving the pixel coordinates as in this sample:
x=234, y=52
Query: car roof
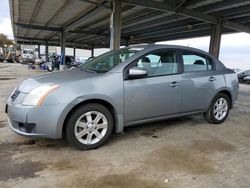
x=160, y=46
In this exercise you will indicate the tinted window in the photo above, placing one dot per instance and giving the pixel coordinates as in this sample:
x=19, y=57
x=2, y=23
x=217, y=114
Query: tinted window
x=193, y=62
x=159, y=63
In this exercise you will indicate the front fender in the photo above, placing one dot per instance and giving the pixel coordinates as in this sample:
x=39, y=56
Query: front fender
x=80, y=99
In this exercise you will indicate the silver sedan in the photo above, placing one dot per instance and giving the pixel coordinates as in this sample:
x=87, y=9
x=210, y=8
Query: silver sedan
x=122, y=88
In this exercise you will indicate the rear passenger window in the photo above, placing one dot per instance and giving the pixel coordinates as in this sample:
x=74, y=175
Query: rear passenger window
x=161, y=62
x=193, y=62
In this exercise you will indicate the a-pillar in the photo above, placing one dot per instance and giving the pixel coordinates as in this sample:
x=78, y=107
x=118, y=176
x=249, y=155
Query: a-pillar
x=115, y=25
x=215, y=39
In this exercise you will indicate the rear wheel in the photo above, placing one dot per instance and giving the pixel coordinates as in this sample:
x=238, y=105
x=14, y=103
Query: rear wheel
x=218, y=110
x=89, y=126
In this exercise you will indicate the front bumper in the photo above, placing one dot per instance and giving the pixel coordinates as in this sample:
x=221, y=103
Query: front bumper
x=34, y=121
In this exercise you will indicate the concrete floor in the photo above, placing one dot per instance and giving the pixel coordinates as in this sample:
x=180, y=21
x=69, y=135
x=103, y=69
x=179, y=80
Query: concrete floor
x=184, y=152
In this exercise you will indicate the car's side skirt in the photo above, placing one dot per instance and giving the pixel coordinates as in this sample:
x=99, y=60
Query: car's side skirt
x=161, y=118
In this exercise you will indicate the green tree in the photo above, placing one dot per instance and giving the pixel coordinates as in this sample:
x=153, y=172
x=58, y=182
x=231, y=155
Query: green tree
x=4, y=40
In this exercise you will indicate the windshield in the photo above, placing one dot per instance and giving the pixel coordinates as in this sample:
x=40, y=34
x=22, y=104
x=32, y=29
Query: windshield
x=109, y=60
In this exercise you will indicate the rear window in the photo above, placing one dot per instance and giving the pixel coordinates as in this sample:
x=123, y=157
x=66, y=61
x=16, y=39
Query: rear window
x=196, y=62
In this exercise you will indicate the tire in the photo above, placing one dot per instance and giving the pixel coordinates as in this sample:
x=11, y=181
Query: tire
x=84, y=123
x=222, y=101
x=50, y=69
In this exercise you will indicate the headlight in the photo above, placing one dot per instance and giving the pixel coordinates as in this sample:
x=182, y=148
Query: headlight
x=38, y=95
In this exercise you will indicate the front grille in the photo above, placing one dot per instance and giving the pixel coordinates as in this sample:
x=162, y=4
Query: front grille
x=15, y=95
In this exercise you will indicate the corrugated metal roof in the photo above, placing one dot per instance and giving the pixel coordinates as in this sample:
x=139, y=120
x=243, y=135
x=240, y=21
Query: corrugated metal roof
x=87, y=24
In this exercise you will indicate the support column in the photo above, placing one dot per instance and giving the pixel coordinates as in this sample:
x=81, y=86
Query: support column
x=74, y=52
x=215, y=39
x=92, y=52
x=115, y=25
x=38, y=51
x=46, y=51
x=62, y=62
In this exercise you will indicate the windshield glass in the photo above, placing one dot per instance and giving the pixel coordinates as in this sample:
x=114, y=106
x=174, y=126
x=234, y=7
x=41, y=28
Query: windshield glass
x=109, y=60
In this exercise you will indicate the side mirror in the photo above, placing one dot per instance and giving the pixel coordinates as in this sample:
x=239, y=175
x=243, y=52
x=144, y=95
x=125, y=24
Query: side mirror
x=137, y=72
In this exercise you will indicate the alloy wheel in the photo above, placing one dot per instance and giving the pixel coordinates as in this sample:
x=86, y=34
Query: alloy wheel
x=220, y=109
x=91, y=127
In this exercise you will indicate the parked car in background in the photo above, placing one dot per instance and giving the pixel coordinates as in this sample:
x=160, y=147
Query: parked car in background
x=242, y=75
x=236, y=70
x=27, y=56
x=122, y=88
x=55, y=63
x=246, y=79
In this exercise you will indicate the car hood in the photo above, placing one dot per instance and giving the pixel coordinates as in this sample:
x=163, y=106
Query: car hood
x=55, y=78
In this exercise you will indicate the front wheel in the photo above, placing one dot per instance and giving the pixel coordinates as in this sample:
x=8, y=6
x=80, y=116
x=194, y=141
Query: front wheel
x=218, y=110
x=89, y=127
x=50, y=68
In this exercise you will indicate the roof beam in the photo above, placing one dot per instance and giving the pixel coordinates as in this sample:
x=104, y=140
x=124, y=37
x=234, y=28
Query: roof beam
x=34, y=14
x=42, y=40
x=176, y=32
x=103, y=23
x=153, y=23
x=187, y=12
x=36, y=10
x=223, y=5
x=100, y=4
x=235, y=12
x=192, y=4
x=97, y=4
x=86, y=16
x=169, y=8
x=61, y=9
x=38, y=27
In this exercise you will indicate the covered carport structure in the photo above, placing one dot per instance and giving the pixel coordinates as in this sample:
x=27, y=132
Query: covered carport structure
x=89, y=24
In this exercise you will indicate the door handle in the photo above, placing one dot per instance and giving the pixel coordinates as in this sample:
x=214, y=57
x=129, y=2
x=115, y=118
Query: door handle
x=211, y=79
x=174, y=84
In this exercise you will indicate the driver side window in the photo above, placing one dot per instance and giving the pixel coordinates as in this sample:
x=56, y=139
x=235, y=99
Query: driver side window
x=163, y=62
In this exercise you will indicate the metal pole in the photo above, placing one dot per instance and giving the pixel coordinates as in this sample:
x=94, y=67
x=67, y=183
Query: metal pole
x=215, y=39
x=46, y=51
x=115, y=25
x=74, y=52
x=38, y=51
x=62, y=62
x=92, y=52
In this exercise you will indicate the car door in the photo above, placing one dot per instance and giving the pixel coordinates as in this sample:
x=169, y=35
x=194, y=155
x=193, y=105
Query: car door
x=199, y=81
x=159, y=93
